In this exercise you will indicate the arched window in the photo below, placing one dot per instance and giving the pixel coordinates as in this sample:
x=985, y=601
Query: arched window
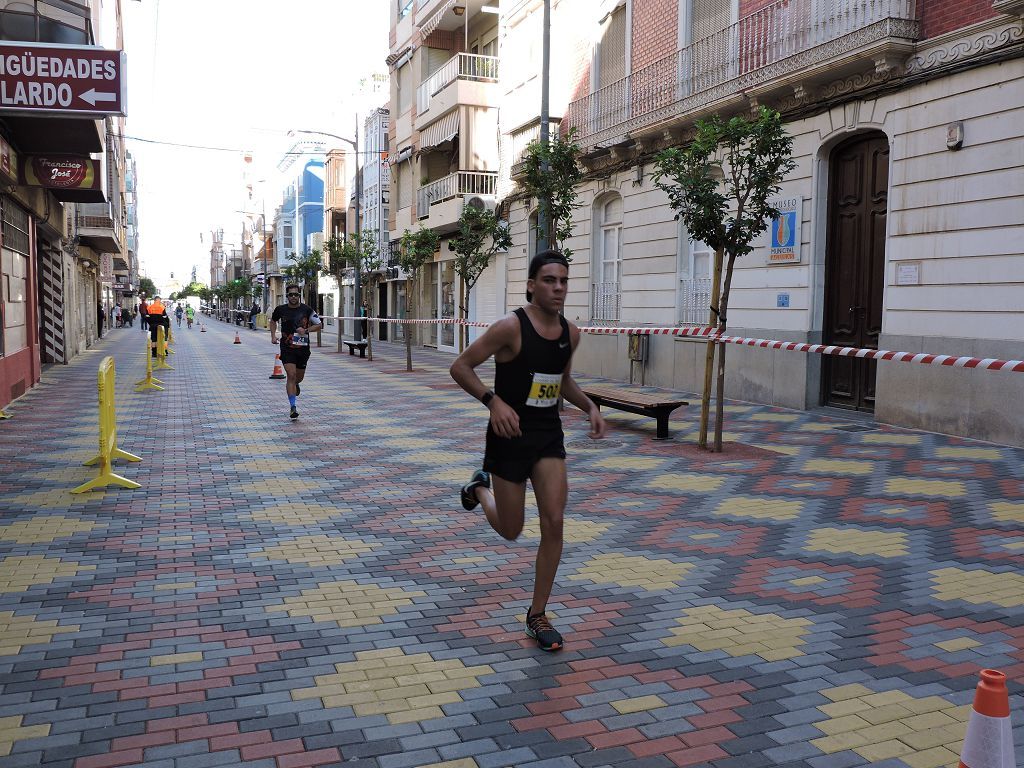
x=607, y=265
x=695, y=263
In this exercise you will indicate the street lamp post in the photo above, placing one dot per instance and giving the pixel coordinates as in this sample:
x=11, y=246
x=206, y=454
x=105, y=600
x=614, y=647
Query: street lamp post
x=357, y=288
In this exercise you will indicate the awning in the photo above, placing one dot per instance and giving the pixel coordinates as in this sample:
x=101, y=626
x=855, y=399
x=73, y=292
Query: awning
x=439, y=132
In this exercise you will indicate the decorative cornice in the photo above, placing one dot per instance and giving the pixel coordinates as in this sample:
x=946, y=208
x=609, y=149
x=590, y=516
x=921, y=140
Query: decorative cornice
x=1009, y=7
x=950, y=49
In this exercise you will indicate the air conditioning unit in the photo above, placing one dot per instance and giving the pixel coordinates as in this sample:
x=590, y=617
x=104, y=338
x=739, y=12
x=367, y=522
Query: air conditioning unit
x=480, y=202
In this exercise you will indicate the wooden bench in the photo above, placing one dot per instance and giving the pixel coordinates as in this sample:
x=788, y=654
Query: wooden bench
x=626, y=399
x=354, y=345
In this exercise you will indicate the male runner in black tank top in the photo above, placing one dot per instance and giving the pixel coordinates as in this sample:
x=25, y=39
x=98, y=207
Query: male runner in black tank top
x=532, y=351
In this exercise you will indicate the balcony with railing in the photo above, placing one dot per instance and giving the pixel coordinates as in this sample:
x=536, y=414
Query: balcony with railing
x=789, y=44
x=439, y=203
x=522, y=138
x=465, y=79
x=695, y=301
x=99, y=229
x=606, y=301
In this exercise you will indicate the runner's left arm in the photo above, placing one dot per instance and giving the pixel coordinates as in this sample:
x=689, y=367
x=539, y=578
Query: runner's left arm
x=315, y=323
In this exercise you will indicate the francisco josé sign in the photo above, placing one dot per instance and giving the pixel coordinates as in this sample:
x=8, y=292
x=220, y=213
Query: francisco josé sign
x=61, y=79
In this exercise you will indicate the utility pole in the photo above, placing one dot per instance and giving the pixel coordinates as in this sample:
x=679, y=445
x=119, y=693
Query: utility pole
x=544, y=212
x=358, y=330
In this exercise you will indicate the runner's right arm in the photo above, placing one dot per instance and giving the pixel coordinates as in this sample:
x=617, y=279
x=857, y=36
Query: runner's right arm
x=502, y=335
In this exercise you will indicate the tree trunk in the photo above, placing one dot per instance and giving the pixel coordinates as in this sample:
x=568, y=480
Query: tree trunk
x=709, y=358
x=723, y=320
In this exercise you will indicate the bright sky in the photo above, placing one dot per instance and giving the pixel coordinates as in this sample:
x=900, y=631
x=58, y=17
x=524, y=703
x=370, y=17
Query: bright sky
x=237, y=74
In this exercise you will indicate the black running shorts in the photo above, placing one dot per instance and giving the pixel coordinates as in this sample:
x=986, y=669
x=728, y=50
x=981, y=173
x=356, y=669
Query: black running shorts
x=297, y=356
x=512, y=459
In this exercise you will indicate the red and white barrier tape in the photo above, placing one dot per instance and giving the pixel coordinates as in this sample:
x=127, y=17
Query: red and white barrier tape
x=703, y=331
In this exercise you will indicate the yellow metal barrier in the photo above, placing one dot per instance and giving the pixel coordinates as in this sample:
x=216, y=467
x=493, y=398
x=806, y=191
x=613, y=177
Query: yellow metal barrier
x=170, y=340
x=108, y=436
x=161, y=349
x=151, y=381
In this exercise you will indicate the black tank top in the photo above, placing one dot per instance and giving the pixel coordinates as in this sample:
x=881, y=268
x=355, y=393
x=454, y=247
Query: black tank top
x=531, y=382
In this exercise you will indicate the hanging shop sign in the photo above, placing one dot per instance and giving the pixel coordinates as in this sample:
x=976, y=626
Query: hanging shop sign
x=784, y=231
x=59, y=172
x=8, y=163
x=62, y=79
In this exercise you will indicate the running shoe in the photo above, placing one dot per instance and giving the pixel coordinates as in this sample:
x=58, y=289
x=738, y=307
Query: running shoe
x=468, y=492
x=539, y=628
x=294, y=414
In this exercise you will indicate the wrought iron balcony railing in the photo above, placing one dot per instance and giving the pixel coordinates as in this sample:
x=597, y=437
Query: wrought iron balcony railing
x=784, y=38
x=461, y=66
x=606, y=302
x=454, y=185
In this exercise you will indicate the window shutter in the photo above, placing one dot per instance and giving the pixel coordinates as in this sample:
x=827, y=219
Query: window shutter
x=613, y=49
x=709, y=17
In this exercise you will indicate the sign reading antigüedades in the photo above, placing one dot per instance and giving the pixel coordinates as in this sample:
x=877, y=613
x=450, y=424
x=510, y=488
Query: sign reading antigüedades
x=61, y=79
x=59, y=171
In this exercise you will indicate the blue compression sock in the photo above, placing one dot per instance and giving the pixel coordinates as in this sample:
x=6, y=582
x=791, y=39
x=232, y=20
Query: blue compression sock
x=291, y=400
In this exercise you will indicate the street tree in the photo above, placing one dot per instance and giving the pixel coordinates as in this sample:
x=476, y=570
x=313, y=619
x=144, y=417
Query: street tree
x=305, y=271
x=147, y=287
x=480, y=236
x=416, y=249
x=719, y=186
x=552, y=176
x=359, y=251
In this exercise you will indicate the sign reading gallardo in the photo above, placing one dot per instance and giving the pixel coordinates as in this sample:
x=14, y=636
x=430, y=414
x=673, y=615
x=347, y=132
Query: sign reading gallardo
x=61, y=79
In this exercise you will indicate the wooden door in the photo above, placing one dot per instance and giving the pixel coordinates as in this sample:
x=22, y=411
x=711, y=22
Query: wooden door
x=855, y=267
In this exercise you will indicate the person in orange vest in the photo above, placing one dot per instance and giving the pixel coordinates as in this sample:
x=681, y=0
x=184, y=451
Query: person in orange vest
x=157, y=316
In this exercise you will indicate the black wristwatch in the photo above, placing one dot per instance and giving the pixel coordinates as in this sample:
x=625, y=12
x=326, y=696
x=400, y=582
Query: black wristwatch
x=486, y=397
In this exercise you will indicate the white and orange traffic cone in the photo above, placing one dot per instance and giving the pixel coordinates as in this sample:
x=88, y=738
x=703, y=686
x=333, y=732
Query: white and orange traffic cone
x=238, y=339
x=202, y=328
x=989, y=740
x=278, y=370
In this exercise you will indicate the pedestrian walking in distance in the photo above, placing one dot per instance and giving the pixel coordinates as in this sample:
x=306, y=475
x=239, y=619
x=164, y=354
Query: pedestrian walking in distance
x=297, y=321
x=532, y=351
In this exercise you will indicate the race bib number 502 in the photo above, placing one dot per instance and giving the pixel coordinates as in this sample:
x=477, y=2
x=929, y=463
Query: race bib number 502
x=544, y=390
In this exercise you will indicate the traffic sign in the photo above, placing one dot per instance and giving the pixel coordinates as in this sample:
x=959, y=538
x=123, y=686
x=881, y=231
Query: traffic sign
x=62, y=79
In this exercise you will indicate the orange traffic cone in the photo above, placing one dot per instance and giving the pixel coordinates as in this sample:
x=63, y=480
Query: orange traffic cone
x=989, y=741
x=238, y=339
x=278, y=370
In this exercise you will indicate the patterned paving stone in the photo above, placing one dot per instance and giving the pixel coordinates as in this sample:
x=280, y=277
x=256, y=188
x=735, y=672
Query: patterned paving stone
x=283, y=594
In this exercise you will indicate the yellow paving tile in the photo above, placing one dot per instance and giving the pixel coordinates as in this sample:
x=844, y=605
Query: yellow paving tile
x=293, y=513
x=1007, y=512
x=175, y=658
x=12, y=731
x=639, y=704
x=958, y=644
x=891, y=439
x=774, y=417
x=19, y=631
x=979, y=587
x=19, y=572
x=760, y=508
x=630, y=462
x=574, y=530
x=633, y=571
x=318, y=550
x=839, y=466
x=975, y=454
x=347, y=603
x=409, y=701
x=687, y=481
x=703, y=627
x=916, y=486
x=44, y=528
x=842, y=540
